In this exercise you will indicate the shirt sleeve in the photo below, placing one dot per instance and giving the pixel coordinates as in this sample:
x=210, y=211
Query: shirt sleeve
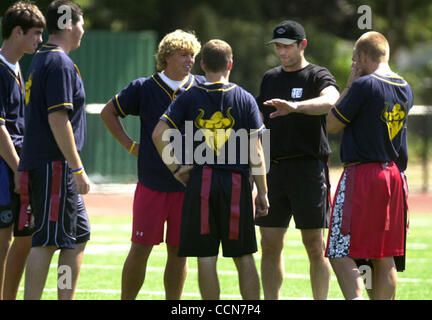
x=349, y=107
x=60, y=89
x=255, y=123
x=127, y=101
x=175, y=114
x=260, y=99
x=325, y=79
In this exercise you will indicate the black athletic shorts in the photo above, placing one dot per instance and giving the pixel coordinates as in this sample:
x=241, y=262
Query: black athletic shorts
x=60, y=215
x=298, y=187
x=217, y=207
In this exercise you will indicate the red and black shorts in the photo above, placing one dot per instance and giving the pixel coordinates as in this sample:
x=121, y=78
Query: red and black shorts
x=369, y=213
x=60, y=217
x=217, y=208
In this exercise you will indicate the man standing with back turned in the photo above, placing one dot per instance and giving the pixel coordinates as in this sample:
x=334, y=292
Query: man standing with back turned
x=55, y=133
x=302, y=94
x=218, y=200
x=369, y=215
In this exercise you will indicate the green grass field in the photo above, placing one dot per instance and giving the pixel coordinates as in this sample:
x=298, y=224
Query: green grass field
x=100, y=277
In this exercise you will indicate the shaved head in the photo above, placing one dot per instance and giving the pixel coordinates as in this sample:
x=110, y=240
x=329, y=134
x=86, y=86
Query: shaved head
x=374, y=45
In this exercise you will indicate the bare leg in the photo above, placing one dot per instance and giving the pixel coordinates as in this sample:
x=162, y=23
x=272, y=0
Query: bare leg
x=385, y=278
x=36, y=271
x=248, y=277
x=5, y=240
x=349, y=277
x=15, y=265
x=320, y=269
x=134, y=270
x=175, y=274
x=208, y=278
x=272, y=265
x=72, y=258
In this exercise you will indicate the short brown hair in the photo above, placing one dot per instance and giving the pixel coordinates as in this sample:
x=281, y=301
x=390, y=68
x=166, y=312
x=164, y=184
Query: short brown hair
x=24, y=14
x=374, y=45
x=53, y=15
x=176, y=40
x=216, y=55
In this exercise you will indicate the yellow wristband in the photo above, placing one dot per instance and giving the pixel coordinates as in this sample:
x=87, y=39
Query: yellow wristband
x=78, y=171
x=132, y=147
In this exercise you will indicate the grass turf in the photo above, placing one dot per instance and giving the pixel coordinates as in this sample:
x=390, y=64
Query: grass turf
x=100, y=277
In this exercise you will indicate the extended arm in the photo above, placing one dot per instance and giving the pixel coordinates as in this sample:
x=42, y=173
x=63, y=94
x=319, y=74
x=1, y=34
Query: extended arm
x=316, y=106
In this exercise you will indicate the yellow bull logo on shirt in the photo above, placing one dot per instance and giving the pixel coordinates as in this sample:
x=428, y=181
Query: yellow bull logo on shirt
x=217, y=129
x=395, y=118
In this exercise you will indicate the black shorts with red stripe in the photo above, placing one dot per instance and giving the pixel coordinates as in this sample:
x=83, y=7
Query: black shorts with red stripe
x=217, y=208
x=60, y=217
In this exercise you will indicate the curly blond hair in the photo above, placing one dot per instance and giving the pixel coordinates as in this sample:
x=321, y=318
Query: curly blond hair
x=177, y=40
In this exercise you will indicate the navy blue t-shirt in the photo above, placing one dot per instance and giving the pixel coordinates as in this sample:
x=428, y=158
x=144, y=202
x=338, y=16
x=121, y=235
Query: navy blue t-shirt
x=209, y=107
x=375, y=112
x=53, y=83
x=12, y=104
x=148, y=98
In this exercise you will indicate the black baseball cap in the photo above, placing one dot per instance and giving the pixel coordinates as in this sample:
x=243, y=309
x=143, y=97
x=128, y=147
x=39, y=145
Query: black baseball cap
x=288, y=32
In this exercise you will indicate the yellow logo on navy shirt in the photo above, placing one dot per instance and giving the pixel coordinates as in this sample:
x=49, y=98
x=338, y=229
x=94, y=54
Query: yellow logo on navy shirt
x=217, y=129
x=394, y=118
x=28, y=85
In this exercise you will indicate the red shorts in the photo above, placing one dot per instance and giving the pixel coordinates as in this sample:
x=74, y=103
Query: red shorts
x=368, y=217
x=151, y=209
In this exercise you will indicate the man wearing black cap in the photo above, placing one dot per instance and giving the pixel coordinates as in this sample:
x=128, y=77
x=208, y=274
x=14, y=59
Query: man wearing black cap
x=294, y=99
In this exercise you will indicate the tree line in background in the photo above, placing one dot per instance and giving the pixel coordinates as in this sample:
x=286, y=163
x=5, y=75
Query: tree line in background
x=331, y=26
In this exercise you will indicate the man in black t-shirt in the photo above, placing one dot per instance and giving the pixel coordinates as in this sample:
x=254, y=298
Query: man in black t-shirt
x=294, y=100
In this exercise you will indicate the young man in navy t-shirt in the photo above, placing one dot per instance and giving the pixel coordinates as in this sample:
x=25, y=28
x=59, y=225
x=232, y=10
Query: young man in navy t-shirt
x=218, y=199
x=369, y=212
x=158, y=197
x=55, y=134
x=22, y=27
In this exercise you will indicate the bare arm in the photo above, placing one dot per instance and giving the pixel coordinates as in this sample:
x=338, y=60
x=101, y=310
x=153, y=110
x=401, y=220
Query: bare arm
x=334, y=125
x=112, y=122
x=7, y=149
x=9, y=154
x=63, y=134
x=258, y=168
x=316, y=106
x=180, y=172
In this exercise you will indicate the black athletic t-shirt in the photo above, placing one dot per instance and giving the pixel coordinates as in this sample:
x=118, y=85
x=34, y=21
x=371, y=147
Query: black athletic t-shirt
x=296, y=134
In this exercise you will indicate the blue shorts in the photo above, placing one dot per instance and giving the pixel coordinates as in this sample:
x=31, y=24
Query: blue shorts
x=10, y=205
x=60, y=217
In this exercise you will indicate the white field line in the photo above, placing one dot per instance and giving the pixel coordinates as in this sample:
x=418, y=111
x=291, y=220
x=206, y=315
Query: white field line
x=230, y=272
